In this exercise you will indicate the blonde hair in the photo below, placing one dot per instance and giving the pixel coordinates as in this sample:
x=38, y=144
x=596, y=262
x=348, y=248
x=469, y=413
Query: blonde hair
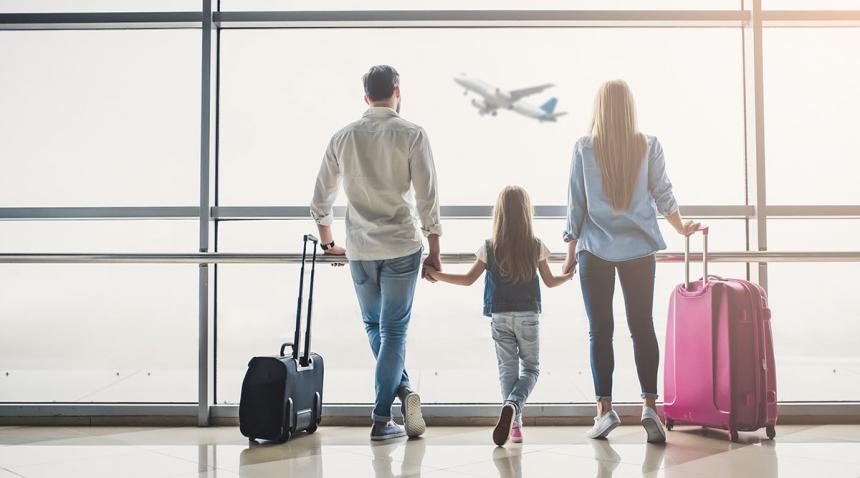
x=618, y=146
x=514, y=245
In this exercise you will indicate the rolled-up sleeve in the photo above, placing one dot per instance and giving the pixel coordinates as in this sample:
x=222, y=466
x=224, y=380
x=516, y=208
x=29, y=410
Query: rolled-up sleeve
x=423, y=173
x=576, y=201
x=658, y=181
x=327, y=185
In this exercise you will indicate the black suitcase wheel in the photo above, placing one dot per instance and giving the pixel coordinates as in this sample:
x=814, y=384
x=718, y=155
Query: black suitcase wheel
x=312, y=428
x=670, y=424
x=733, y=436
x=771, y=432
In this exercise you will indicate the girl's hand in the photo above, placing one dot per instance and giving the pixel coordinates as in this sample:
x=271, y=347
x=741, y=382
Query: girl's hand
x=430, y=271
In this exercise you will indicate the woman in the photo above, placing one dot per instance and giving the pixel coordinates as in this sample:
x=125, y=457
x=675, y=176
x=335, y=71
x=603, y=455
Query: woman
x=617, y=180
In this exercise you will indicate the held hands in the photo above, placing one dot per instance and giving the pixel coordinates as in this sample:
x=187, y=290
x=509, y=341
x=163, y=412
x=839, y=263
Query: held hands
x=569, y=267
x=431, y=264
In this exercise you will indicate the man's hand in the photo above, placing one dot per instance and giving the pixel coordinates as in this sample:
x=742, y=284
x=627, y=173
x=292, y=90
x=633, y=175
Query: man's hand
x=431, y=262
x=688, y=227
x=335, y=251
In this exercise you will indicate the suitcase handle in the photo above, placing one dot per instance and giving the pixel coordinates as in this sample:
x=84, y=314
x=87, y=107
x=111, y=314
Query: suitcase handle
x=283, y=346
x=303, y=361
x=704, y=231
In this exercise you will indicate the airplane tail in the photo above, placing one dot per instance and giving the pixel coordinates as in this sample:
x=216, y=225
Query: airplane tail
x=549, y=106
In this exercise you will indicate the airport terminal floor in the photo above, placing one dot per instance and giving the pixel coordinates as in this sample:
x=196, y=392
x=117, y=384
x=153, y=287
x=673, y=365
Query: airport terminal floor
x=799, y=451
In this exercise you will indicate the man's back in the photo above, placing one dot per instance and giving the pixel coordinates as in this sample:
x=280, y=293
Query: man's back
x=387, y=169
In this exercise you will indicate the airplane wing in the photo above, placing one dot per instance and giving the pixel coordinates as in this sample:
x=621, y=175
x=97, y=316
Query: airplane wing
x=523, y=92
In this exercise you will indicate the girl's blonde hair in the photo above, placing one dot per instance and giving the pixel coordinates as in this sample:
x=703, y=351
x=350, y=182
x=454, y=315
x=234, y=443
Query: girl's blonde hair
x=619, y=147
x=514, y=245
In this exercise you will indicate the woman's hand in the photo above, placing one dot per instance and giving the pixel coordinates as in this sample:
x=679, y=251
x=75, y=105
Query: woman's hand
x=688, y=227
x=569, y=265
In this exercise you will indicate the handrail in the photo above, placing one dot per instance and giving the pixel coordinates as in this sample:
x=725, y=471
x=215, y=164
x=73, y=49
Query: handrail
x=456, y=258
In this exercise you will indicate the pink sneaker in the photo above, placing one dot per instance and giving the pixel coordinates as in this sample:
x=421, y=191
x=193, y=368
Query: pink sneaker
x=517, y=434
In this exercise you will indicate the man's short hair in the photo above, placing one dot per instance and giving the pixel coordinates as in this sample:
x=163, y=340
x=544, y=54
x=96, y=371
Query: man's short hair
x=380, y=81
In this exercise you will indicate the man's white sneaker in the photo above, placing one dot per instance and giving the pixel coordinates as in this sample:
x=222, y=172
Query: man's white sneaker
x=653, y=426
x=413, y=420
x=604, y=425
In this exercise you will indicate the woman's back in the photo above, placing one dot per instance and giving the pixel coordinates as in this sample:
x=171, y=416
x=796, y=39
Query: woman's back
x=607, y=233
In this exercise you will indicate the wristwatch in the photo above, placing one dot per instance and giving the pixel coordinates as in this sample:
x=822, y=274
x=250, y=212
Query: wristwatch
x=328, y=246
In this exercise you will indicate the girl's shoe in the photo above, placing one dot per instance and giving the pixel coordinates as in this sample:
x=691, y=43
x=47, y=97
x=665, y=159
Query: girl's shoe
x=651, y=422
x=517, y=434
x=604, y=425
x=503, y=427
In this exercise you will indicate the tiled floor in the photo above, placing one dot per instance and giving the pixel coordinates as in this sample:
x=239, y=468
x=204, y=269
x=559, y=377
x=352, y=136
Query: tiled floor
x=798, y=451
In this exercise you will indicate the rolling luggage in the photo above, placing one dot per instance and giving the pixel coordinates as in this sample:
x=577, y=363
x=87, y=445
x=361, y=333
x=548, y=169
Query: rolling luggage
x=719, y=369
x=283, y=394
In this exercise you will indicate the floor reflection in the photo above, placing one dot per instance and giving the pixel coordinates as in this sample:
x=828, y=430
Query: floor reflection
x=410, y=465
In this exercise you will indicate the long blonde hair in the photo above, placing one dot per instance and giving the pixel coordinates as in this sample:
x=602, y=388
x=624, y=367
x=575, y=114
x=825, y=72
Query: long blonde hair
x=618, y=145
x=514, y=245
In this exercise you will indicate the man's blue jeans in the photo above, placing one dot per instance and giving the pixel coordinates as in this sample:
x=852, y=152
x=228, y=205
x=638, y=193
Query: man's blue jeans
x=385, y=289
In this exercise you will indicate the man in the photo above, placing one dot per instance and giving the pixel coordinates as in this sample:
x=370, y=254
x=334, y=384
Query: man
x=388, y=174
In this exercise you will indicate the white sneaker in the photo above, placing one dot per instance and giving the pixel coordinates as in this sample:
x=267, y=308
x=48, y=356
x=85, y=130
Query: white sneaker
x=604, y=425
x=413, y=420
x=653, y=426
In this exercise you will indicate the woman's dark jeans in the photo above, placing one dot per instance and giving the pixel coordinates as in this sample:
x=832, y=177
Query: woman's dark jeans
x=597, y=278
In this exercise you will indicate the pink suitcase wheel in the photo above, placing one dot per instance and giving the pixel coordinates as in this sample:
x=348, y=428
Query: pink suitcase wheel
x=670, y=424
x=771, y=432
x=733, y=435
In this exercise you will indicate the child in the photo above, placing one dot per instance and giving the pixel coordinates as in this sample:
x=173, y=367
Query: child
x=512, y=299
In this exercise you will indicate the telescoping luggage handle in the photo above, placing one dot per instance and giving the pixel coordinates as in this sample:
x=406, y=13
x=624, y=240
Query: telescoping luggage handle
x=704, y=230
x=304, y=360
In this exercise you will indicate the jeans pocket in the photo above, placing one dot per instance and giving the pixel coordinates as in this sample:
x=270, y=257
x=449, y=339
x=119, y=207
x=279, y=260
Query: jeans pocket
x=529, y=330
x=405, y=264
x=359, y=275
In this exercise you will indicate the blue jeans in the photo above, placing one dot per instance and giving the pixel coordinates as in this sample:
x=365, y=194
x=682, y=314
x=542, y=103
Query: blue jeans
x=516, y=336
x=597, y=278
x=385, y=290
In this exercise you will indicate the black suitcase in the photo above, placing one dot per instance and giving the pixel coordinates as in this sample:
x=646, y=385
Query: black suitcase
x=282, y=395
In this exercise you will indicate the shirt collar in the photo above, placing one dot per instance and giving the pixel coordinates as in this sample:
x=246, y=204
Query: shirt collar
x=380, y=111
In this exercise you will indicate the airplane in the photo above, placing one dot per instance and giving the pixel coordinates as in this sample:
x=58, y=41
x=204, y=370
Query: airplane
x=493, y=99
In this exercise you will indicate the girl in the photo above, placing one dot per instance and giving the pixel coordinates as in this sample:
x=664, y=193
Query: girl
x=617, y=185
x=512, y=298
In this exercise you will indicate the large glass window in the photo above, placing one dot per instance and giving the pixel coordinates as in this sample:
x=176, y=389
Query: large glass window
x=811, y=90
x=285, y=92
x=98, y=332
x=99, y=118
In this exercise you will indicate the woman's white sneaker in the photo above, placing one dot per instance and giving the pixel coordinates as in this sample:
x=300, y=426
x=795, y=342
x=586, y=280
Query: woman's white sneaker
x=653, y=426
x=604, y=425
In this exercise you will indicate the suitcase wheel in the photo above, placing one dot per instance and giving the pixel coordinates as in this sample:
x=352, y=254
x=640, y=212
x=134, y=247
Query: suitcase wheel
x=733, y=436
x=670, y=424
x=771, y=432
x=312, y=428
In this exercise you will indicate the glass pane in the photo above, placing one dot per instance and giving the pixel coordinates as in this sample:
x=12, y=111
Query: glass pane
x=810, y=129
x=103, y=118
x=278, y=116
x=47, y=6
x=478, y=5
x=815, y=304
x=98, y=333
x=99, y=236
x=256, y=307
x=803, y=234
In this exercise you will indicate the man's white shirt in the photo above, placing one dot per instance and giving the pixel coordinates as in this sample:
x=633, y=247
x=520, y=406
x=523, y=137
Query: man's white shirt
x=388, y=175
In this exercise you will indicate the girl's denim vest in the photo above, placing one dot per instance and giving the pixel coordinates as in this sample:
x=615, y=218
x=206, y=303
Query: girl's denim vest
x=503, y=296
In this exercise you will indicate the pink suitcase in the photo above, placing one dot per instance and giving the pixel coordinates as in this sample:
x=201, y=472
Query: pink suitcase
x=719, y=369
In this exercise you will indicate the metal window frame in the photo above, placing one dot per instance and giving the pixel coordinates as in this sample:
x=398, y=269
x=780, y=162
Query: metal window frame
x=210, y=20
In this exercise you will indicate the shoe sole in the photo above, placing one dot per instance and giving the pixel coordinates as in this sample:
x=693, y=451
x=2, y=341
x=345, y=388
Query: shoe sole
x=605, y=433
x=503, y=427
x=654, y=431
x=413, y=419
x=516, y=440
x=386, y=437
